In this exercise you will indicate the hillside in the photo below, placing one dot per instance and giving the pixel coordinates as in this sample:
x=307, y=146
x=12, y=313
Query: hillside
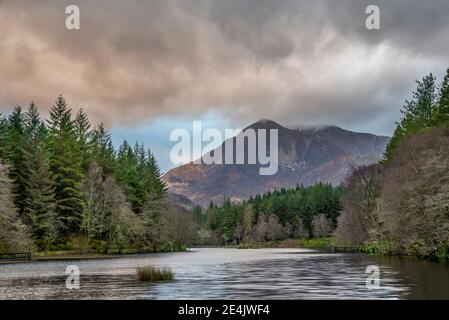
x=306, y=156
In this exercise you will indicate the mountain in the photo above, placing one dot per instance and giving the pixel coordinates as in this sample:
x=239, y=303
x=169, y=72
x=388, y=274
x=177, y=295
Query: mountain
x=181, y=201
x=306, y=156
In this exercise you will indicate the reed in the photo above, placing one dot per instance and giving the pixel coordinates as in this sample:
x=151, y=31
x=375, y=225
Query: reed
x=154, y=274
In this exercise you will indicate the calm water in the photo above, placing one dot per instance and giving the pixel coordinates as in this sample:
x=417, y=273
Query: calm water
x=218, y=273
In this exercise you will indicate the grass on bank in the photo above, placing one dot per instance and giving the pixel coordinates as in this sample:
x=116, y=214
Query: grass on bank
x=154, y=274
x=315, y=243
x=79, y=246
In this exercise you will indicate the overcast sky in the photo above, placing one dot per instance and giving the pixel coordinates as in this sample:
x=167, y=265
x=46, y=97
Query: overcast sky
x=141, y=66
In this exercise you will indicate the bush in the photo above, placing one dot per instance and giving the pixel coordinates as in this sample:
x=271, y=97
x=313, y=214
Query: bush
x=401, y=206
x=377, y=247
x=154, y=274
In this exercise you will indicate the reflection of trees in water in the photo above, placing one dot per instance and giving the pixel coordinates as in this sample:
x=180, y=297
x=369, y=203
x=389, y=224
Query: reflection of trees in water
x=427, y=280
x=218, y=273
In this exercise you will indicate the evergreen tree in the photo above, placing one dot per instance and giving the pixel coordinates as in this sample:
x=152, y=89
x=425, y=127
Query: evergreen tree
x=140, y=173
x=124, y=162
x=103, y=150
x=3, y=127
x=81, y=127
x=276, y=214
x=15, y=143
x=62, y=179
x=65, y=167
x=35, y=128
x=157, y=185
x=443, y=101
x=417, y=114
x=39, y=206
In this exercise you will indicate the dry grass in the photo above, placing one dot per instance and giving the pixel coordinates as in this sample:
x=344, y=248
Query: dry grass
x=153, y=274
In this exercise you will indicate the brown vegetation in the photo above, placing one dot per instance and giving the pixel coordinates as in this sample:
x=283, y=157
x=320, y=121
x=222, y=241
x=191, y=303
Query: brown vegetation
x=14, y=235
x=153, y=274
x=402, y=206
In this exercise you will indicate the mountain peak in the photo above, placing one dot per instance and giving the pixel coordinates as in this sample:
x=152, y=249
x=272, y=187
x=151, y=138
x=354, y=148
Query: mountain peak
x=315, y=128
x=306, y=156
x=265, y=124
x=263, y=121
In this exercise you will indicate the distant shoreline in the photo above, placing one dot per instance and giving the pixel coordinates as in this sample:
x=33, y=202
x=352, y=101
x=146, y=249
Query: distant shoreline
x=324, y=244
x=73, y=255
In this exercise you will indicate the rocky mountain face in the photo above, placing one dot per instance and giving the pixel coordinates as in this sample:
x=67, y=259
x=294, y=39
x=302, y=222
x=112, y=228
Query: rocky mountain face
x=305, y=156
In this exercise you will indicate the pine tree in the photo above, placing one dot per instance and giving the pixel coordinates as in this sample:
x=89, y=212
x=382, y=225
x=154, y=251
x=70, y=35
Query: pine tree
x=443, y=101
x=65, y=167
x=103, y=150
x=15, y=142
x=81, y=126
x=124, y=161
x=140, y=173
x=62, y=178
x=158, y=187
x=35, y=127
x=417, y=114
x=39, y=206
x=425, y=99
x=3, y=127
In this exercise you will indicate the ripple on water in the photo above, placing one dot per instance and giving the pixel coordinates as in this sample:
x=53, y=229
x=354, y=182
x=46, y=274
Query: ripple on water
x=218, y=273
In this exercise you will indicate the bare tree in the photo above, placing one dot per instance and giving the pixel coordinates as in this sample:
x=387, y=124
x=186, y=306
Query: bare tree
x=299, y=230
x=402, y=206
x=274, y=229
x=261, y=228
x=248, y=224
x=359, y=215
x=415, y=196
x=107, y=215
x=14, y=235
x=321, y=226
x=155, y=220
x=181, y=226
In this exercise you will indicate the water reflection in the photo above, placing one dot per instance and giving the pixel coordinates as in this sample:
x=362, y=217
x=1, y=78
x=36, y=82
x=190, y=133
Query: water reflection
x=217, y=273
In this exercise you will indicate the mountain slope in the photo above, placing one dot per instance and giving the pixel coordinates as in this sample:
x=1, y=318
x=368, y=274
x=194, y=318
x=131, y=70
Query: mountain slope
x=306, y=156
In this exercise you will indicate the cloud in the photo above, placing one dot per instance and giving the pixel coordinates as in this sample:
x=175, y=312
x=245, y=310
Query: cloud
x=294, y=61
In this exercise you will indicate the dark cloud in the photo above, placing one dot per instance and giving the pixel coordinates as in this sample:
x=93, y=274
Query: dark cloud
x=290, y=60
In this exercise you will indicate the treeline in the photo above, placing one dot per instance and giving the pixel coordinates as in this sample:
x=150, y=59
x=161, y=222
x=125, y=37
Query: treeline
x=302, y=212
x=64, y=186
x=401, y=206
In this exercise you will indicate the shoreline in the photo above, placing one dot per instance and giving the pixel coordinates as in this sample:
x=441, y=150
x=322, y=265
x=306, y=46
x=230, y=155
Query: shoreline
x=329, y=245
x=73, y=255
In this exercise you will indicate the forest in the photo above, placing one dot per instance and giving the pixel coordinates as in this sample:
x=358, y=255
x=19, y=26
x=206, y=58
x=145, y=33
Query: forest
x=302, y=212
x=401, y=205
x=63, y=186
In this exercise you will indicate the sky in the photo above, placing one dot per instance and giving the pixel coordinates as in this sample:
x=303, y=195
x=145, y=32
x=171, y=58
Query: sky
x=147, y=67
